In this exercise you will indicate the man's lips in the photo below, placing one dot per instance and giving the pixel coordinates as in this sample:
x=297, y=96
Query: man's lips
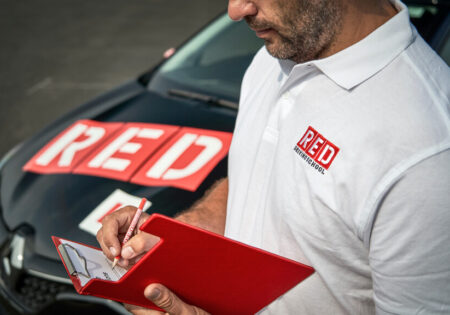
x=263, y=32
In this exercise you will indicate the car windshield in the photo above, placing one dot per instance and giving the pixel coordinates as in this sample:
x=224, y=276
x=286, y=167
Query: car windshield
x=210, y=66
x=213, y=62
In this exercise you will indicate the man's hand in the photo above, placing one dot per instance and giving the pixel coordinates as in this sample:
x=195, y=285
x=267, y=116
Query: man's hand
x=209, y=213
x=165, y=299
x=114, y=228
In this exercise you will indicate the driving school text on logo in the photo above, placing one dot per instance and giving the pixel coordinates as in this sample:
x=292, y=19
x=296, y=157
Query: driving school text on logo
x=316, y=150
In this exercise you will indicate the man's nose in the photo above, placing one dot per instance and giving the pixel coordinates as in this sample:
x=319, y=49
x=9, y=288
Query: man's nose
x=239, y=9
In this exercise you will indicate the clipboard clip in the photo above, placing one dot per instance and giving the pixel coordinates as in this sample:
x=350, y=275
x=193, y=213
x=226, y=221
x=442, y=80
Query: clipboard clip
x=75, y=263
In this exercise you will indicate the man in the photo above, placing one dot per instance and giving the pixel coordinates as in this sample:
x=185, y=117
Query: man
x=339, y=160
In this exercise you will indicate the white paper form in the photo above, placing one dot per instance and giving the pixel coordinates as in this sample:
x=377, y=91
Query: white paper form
x=94, y=265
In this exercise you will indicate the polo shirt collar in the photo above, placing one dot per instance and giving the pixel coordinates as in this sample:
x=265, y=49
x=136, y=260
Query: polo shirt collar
x=355, y=64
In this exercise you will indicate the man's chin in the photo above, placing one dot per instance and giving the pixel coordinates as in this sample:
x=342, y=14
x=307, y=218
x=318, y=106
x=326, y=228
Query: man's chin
x=277, y=51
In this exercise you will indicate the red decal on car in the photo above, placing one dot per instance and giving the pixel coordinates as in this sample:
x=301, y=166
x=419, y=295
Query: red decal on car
x=185, y=160
x=121, y=156
x=70, y=147
x=143, y=153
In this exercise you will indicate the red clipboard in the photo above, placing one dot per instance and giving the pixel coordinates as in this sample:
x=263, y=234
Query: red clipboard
x=204, y=269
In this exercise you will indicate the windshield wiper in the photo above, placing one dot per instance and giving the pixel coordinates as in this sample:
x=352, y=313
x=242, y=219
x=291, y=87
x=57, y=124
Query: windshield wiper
x=203, y=97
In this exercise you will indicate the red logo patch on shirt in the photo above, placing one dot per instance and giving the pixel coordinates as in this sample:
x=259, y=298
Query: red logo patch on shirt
x=316, y=150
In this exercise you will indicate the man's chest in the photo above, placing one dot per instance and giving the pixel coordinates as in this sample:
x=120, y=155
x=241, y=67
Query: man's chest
x=303, y=150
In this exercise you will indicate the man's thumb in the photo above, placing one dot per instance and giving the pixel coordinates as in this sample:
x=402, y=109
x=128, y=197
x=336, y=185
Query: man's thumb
x=163, y=298
x=138, y=244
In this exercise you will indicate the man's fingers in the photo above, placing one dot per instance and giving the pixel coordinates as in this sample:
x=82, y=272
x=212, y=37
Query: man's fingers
x=169, y=302
x=114, y=225
x=111, y=246
x=138, y=244
x=138, y=310
x=164, y=299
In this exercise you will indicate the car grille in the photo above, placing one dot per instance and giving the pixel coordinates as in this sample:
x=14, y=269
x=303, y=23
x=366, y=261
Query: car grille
x=37, y=292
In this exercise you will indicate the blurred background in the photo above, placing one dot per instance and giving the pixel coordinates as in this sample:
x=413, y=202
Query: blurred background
x=57, y=54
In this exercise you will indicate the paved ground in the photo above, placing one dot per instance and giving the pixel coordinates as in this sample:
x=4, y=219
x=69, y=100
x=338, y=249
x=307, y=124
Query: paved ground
x=55, y=54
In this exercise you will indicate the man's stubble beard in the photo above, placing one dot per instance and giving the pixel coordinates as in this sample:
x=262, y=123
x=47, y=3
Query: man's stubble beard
x=307, y=29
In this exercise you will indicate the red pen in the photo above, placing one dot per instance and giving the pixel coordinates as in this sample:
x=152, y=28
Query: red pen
x=131, y=227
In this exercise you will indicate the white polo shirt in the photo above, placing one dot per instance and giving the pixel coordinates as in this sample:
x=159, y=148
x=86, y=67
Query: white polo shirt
x=343, y=164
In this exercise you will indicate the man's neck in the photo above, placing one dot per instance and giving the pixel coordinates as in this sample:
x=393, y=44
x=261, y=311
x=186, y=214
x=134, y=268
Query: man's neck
x=360, y=18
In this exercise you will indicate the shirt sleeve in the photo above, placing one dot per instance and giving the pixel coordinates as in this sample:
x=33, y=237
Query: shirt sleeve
x=410, y=242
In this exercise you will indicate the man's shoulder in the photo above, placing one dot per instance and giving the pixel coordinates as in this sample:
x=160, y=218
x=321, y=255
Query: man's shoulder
x=425, y=68
x=414, y=83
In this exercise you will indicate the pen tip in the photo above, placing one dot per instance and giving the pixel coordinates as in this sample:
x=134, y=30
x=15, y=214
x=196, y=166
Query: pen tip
x=114, y=262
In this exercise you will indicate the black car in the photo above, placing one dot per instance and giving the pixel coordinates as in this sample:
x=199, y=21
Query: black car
x=64, y=180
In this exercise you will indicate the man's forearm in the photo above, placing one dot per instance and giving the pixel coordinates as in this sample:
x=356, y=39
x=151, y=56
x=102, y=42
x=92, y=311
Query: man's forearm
x=210, y=212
